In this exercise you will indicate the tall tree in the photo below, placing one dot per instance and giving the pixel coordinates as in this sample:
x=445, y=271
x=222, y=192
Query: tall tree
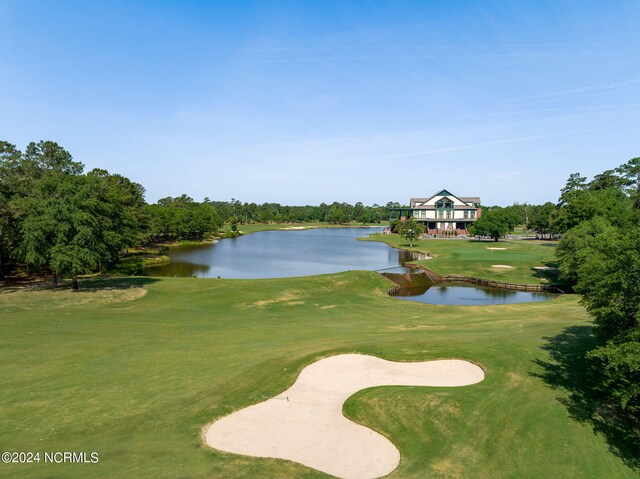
x=411, y=230
x=77, y=224
x=46, y=156
x=574, y=183
x=9, y=190
x=493, y=223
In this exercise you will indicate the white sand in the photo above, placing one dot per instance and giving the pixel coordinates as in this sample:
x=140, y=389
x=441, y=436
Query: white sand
x=305, y=423
x=501, y=266
x=544, y=268
x=296, y=228
x=496, y=248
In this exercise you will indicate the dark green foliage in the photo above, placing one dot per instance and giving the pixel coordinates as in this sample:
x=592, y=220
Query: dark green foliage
x=610, y=203
x=540, y=219
x=181, y=218
x=600, y=254
x=494, y=223
x=9, y=234
x=605, y=260
x=79, y=224
x=336, y=213
x=618, y=363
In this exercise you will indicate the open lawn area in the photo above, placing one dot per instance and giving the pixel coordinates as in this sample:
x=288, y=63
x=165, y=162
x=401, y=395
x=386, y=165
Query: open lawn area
x=135, y=368
x=483, y=259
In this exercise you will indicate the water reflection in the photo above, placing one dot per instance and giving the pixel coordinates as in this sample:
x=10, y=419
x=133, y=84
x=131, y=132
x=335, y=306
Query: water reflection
x=279, y=254
x=468, y=295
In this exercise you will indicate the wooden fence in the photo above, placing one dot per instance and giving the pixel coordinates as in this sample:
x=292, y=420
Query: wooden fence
x=540, y=288
x=418, y=279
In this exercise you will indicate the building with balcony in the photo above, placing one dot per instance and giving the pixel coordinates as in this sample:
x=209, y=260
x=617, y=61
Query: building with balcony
x=443, y=212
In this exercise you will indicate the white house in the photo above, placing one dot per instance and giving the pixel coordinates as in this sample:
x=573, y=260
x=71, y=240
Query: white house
x=443, y=212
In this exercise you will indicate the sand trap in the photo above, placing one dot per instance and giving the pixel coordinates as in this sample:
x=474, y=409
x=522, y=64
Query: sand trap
x=305, y=423
x=497, y=248
x=545, y=268
x=501, y=266
x=296, y=228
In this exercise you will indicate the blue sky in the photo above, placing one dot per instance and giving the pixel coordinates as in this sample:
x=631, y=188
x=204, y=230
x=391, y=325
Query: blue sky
x=304, y=102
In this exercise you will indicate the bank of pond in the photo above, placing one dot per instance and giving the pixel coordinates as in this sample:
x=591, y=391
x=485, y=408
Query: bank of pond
x=281, y=254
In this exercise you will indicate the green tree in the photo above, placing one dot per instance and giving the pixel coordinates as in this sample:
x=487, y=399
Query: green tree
x=493, y=223
x=46, y=156
x=583, y=205
x=607, y=268
x=411, y=230
x=75, y=224
x=541, y=218
x=337, y=215
x=10, y=183
x=617, y=364
x=630, y=172
x=574, y=183
x=579, y=244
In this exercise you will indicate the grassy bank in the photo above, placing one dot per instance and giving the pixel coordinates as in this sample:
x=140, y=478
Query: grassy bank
x=134, y=368
x=479, y=258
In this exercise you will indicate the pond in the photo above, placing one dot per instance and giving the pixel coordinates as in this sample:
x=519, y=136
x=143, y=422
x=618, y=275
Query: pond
x=461, y=294
x=281, y=254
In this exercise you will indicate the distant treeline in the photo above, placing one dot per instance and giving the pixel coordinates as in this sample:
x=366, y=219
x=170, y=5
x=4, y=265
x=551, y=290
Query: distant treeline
x=57, y=218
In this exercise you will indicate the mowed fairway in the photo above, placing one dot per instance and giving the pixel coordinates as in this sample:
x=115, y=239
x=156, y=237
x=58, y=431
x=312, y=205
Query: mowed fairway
x=471, y=257
x=137, y=376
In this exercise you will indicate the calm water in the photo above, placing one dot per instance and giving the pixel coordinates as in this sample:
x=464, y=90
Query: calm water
x=469, y=295
x=281, y=254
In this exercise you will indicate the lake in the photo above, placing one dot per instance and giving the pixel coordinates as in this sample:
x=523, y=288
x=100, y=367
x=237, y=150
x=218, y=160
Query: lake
x=282, y=254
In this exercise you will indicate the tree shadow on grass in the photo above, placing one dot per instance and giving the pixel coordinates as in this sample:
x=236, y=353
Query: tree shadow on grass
x=548, y=271
x=568, y=371
x=101, y=284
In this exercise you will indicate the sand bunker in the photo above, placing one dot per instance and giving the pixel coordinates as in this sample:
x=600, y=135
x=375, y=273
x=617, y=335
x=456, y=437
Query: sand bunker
x=501, y=266
x=496, y=248
x=305, y=423
x=545, y=268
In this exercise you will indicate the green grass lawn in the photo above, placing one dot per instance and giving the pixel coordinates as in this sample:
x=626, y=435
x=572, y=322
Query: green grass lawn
x=136, y=377
x=475, y=258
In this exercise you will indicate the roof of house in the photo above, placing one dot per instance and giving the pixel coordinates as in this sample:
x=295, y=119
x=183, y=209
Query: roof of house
x=433, y=208
x=465, y=199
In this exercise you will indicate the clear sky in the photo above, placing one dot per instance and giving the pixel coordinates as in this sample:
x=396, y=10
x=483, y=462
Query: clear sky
x=310, y=101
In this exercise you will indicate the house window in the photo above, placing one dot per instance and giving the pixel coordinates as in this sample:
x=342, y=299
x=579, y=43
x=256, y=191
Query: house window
x=473, y=214
x=440, y=214
x=448, y=214
x=466, y=214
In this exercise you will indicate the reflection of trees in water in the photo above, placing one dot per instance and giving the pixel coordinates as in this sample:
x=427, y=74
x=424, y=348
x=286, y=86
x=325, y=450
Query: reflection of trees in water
x=463, y=294
x=413, y=291
x=408, y=256
x=183, y=270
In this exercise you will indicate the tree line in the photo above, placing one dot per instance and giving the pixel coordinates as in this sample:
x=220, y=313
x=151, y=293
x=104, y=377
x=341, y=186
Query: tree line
x=599, y=254
x=57, y=218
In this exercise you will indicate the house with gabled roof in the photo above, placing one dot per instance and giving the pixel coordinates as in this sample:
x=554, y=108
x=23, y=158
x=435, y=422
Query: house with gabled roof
x=443, y=212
